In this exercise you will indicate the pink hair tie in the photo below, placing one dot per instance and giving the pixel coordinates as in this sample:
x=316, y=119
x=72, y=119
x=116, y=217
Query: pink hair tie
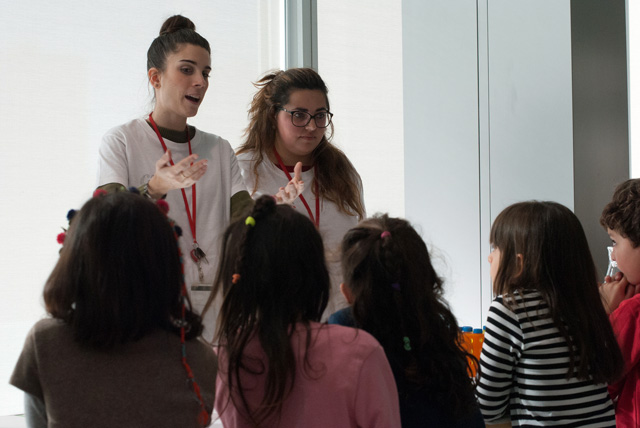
x=385, y=234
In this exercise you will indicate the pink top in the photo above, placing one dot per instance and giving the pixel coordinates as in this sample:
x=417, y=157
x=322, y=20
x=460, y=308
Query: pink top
x=348, y=383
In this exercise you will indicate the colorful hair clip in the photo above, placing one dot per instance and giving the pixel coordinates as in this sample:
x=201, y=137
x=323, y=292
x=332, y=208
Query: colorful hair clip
x=235, y=278
x=250, y=221
x=61, y=236
x=407, y=343
x=396, y=286
x=385, y=234
x=99, y=192
x=163, y=205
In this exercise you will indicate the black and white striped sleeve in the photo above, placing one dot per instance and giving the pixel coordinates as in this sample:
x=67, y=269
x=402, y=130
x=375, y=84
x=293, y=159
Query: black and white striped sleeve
x=500, y=353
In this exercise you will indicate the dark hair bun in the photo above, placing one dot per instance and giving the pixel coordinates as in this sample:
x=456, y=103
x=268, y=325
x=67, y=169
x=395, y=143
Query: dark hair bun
x=265, y=205
x=176, y=23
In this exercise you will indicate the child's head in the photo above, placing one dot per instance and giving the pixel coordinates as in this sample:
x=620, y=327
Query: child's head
x=273, y=275
x=621, y=218
x=396, y=296
x=542, y=247
x=539, y=245
x=277, y=258
x=622, y=214
x=119, y=274
x=387, y=270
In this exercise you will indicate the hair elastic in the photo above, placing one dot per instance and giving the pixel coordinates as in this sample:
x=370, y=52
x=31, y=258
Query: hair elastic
x=385, y=234
x=99, y=192
x=407, y=343
x=396, y=286
x=235, y=278
x=250, y=221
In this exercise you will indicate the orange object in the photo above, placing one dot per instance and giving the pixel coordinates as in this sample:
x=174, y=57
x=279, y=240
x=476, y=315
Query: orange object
x=467, y=343
x=477, y=338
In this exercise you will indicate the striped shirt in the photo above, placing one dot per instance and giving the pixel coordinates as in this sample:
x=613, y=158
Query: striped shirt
x=524, y=363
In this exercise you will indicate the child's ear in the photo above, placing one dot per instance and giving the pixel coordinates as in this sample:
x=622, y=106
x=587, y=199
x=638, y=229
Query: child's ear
x=519, y=263
x=346, y=292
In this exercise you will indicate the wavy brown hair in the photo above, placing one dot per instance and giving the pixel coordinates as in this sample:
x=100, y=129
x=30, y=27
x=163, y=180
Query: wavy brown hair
x=622, y=214
x=543, y=247
x=338, y=181
x=396, y=295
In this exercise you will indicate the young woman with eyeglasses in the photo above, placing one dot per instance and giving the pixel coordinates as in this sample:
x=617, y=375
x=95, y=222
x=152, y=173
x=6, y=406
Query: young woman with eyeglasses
x=290, y=122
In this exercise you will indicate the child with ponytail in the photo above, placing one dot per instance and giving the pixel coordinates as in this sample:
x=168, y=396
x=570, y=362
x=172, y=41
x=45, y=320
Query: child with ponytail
x=279, y=367
x=396, y=296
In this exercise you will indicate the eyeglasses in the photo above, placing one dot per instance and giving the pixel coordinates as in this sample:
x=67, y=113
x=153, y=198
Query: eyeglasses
x=302, y=118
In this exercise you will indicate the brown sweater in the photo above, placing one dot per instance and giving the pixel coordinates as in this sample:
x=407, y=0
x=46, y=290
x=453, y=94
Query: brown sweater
x=140, y=384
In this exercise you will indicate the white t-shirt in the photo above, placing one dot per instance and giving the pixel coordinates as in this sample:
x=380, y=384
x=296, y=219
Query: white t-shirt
x=128, y=155
x=333, y=222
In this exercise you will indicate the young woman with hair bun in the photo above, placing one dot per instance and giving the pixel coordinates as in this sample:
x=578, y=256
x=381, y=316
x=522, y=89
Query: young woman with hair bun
x=197, y=172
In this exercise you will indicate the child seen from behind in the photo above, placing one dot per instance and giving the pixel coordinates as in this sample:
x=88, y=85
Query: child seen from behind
x=278, y=365
x=396, y=296
x=549, y=349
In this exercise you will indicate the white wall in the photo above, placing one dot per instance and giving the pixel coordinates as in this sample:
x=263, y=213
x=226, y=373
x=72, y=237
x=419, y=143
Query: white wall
x=488, y=122
x=360, y=59
x=442, y=165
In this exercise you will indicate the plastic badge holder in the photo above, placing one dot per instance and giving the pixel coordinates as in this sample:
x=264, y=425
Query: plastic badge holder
x=612, y=269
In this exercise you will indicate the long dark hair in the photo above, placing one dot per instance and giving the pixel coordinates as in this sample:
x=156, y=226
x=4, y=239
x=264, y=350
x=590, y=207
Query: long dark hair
x=338, y=181
x=280, y=280
x=119, y=275
x=397, y=297
x=543, y=247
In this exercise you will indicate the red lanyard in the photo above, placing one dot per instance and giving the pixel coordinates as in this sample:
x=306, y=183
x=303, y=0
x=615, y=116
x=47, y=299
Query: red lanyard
x=191, y=217
x=316, y=219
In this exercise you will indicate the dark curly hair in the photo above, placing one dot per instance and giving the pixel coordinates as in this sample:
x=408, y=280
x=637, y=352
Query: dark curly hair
x=622, y=214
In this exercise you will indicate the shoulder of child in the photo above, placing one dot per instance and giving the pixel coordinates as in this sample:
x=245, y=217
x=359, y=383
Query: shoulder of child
x=628, y=307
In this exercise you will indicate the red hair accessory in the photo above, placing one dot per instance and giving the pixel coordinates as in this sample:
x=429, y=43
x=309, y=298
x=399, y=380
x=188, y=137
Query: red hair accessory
x=163, y=205
x=235, y=278
x=385, y=234
x=60, y=237
x=99, y=192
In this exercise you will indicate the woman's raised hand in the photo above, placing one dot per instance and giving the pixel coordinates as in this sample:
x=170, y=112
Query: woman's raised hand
x=293, y=189
x=168, y=177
